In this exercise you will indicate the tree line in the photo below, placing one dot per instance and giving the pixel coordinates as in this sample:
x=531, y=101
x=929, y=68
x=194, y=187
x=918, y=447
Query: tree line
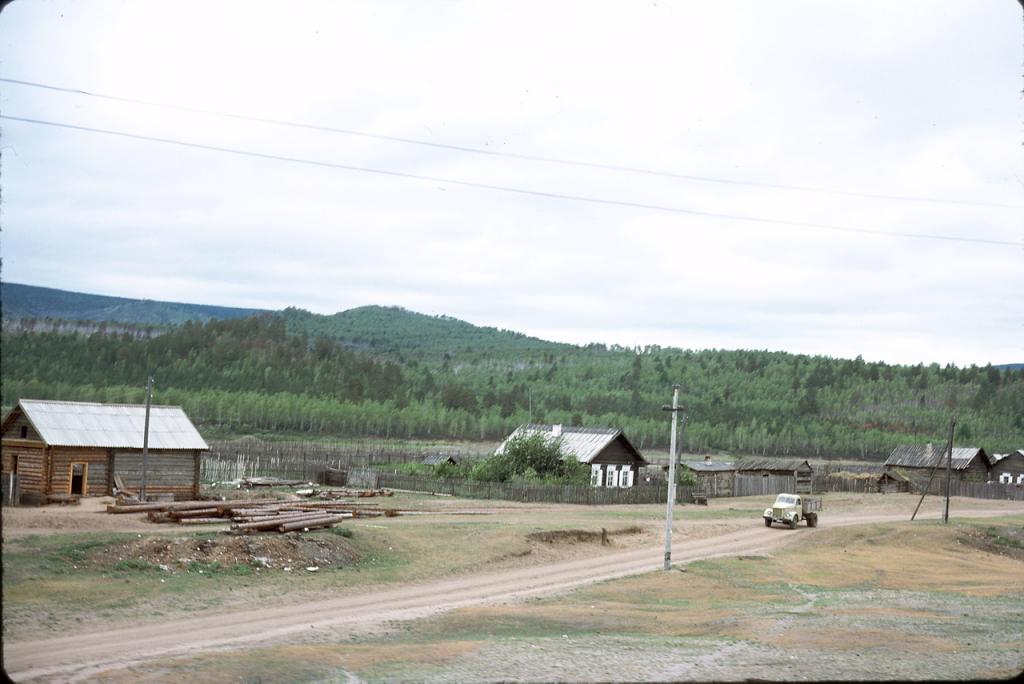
x=260, y=374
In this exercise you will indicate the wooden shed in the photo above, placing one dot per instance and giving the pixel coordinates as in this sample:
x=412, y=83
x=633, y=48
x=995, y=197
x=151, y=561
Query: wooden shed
x=1008, y=468
x=788, y=467
x=916, y=461
x=614, y=461
x=893, y=481
x=714, y=478
x=78, y=448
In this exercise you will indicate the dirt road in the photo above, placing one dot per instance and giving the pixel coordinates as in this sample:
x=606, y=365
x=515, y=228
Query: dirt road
x=79, y=656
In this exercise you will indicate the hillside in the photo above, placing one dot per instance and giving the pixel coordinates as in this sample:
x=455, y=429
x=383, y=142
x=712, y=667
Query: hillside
x=254, y=375
x=397, y=333
x=30, y=301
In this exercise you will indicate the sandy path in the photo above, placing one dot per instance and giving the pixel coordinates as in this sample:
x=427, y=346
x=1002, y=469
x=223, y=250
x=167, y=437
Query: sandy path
x=81, y=655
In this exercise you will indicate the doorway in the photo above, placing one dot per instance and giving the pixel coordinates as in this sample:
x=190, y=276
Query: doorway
x=79, y=478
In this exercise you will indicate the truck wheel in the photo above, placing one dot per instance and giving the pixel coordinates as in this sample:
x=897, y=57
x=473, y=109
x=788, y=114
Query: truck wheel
x=793, y=522
x=812, y=520
x=767, y=522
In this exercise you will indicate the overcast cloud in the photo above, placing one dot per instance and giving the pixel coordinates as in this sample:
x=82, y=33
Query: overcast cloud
x=913, y=99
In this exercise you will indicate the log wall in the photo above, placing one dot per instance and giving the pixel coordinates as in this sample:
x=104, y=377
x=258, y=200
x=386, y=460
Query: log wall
x=167, y=472
x=31, y=465
x=61, y=459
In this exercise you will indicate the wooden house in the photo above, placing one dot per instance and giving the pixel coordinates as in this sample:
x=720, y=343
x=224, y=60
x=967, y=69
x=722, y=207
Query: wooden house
x=614, y=461
x=787, y=467
x=916, y=461
x=78, y=449
x=714, y=478
x=1008, y=468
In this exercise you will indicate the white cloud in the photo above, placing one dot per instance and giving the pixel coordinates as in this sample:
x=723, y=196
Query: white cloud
x=913, y=99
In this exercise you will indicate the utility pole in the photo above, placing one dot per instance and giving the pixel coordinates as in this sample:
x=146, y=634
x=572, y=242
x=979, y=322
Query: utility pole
x=949, y=468
x=145, y=438
x=675, y=409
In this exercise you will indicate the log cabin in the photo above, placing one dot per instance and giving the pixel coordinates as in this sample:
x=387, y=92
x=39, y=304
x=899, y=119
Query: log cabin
x=67, y=448
x=916, y=461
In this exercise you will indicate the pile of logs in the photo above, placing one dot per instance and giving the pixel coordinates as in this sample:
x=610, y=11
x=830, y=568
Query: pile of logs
x=255, y=515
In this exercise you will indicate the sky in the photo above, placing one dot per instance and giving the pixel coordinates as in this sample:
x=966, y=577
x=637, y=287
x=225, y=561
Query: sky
x=837, y=178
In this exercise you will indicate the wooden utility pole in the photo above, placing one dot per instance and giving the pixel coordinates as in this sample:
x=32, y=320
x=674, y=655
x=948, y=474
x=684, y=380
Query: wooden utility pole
x=675, y=409
x=931, y=475
x=949, y=468
x=145, y=438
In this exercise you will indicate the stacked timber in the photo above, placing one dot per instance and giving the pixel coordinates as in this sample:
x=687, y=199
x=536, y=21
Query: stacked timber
x=255, y=515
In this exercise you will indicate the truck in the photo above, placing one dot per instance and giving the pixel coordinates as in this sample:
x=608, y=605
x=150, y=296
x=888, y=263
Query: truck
x=790, y=509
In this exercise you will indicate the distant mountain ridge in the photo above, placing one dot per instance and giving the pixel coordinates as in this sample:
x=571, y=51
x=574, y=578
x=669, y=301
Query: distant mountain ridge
x=31, y=301
x=381, y=331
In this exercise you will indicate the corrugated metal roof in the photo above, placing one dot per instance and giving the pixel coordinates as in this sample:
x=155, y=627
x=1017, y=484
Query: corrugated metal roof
x=921, y=456
x=437, y=459
x=81, y=424
x=583, y=443
x=710, y=466
x=773, y=464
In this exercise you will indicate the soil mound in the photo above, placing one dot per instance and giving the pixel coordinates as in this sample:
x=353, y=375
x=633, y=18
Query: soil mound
x=581, y=536
x=1004, y=541
x=193, y=554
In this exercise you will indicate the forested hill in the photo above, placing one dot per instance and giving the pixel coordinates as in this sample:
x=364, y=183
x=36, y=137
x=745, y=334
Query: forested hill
x=395, y=333
x=32, y=302
x=260, y=375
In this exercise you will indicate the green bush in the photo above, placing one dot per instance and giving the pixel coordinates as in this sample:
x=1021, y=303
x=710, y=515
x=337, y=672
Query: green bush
x=531, y=459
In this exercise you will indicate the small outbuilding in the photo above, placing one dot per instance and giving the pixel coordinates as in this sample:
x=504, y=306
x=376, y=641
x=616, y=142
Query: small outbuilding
x=614, y=461
x=714, y=478
x=893, y=481
x=788, y=467
x=1008, y=468
x=916, y=461
x=70, y=448
x=438, y=459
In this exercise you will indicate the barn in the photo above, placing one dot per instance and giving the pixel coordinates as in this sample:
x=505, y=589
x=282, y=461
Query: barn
x=614, y=461
x=714, y=478
x=787, y=467
x=915, y=462
x=1007, y=468
x=67, y=448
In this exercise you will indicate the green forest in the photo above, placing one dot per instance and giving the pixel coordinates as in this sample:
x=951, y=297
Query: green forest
x=391, y=373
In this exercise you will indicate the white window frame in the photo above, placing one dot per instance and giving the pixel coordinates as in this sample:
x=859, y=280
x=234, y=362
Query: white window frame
x=612, y=479
x=1006, y=478
x=596, y=476
x=626, y=478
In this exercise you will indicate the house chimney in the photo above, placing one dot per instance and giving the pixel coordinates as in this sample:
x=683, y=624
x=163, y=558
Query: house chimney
x=707, y=458
x=556, y=430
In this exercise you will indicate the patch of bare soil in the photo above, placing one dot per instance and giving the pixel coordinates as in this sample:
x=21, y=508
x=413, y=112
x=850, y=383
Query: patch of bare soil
x=272, y=552
x=582, y=536
x=1002, y=541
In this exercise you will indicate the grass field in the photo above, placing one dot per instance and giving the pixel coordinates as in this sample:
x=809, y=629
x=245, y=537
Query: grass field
x=897, y=600
x=877, y=602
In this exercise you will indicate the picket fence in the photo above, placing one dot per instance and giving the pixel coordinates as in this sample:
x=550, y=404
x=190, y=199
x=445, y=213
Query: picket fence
x=374, y=478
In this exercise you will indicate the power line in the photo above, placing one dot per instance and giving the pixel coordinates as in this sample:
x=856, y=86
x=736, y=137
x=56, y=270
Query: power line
x=514, y=155
x=508, y=189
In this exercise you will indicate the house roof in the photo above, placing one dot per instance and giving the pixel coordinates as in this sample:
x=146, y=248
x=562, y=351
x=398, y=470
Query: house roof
x=996, y=458
x=582, y=442
x=710, y=466
x=921, y=456
x=437, y=459
x=773, y=464
x=82, y=424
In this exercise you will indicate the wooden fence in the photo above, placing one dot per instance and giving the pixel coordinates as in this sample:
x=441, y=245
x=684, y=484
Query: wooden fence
x=755, y=485
x=373, y=478
x=10, y=489
x=227, y=461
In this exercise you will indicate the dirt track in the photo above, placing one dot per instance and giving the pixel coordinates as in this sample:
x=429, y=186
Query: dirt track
x=82, y=655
